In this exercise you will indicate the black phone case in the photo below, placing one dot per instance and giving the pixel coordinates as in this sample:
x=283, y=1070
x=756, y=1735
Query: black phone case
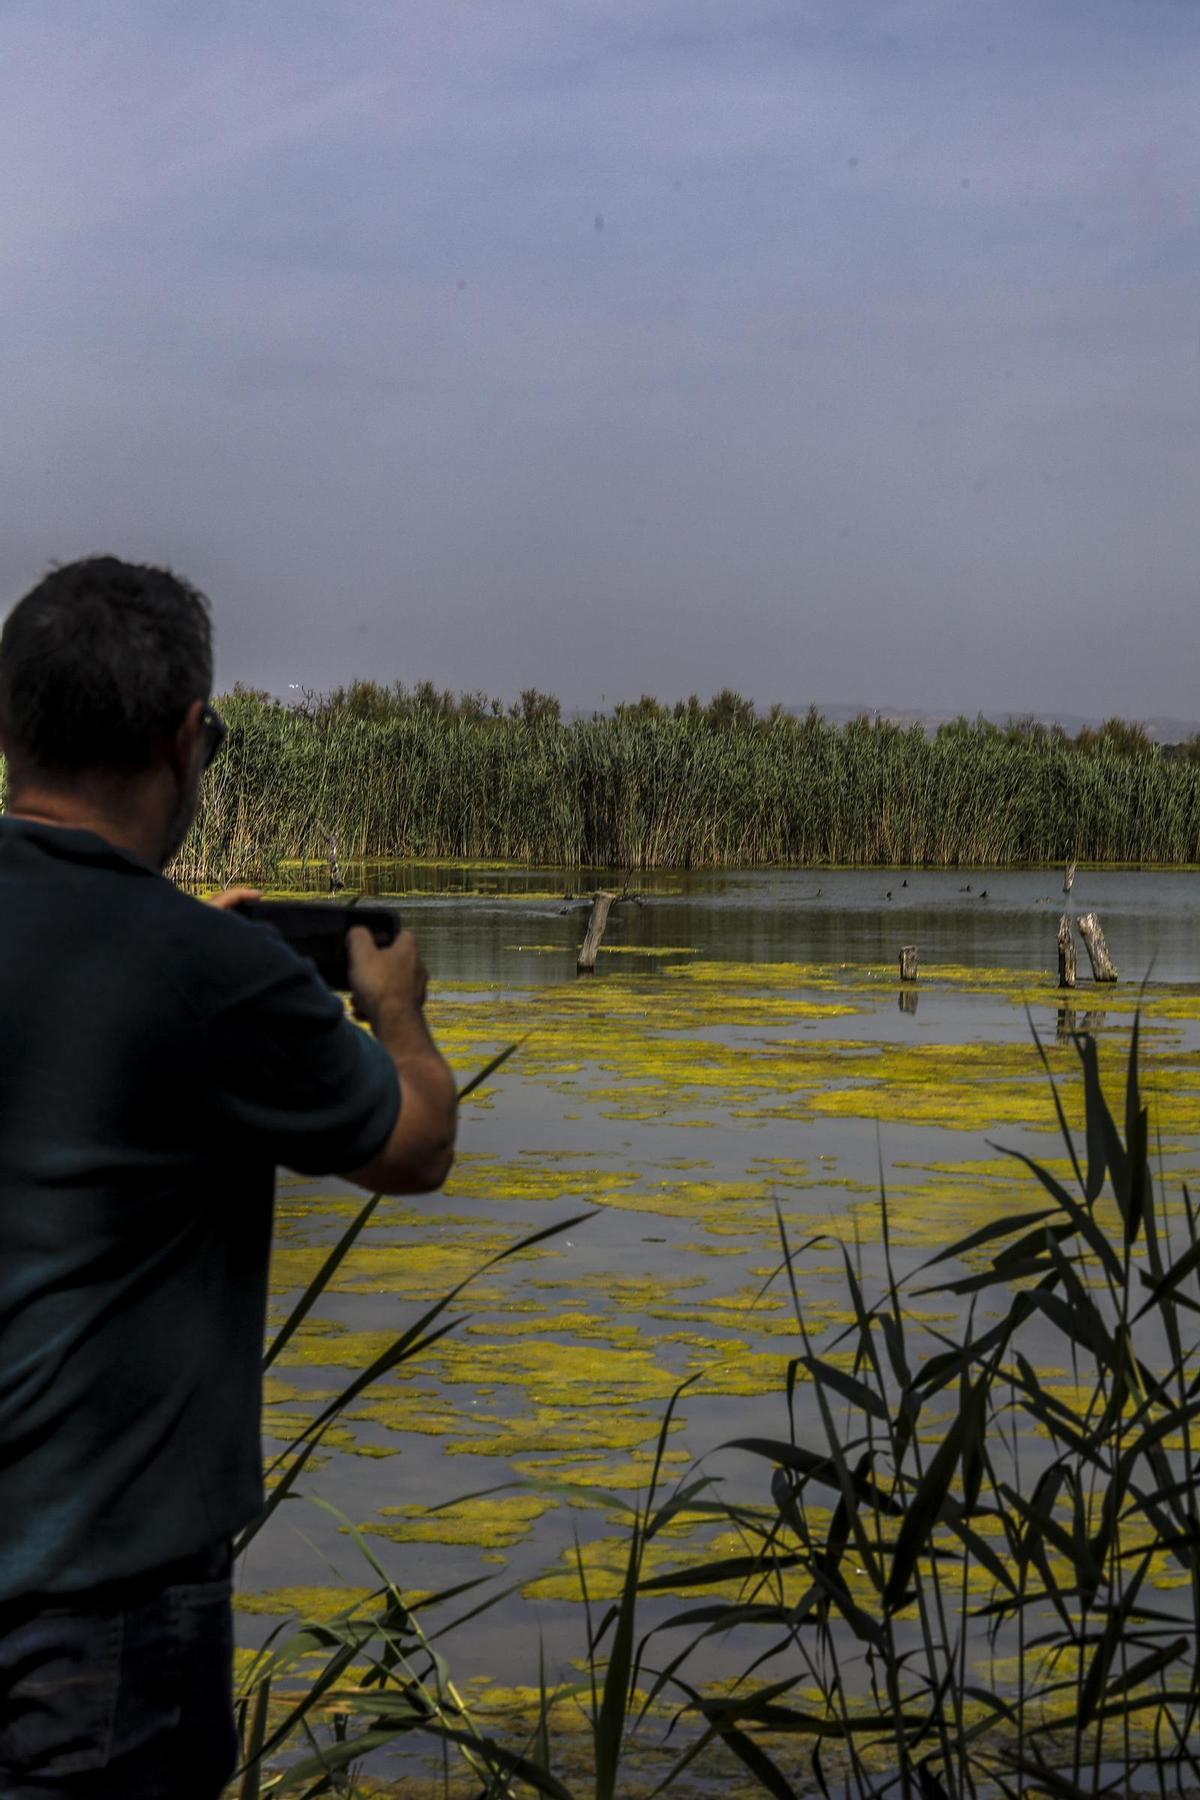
x=317, y=929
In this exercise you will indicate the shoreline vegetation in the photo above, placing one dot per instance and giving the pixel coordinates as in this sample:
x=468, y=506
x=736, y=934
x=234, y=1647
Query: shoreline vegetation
x=397, y=774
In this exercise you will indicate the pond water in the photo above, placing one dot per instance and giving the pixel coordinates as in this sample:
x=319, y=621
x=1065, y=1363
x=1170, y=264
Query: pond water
x=744, y=1046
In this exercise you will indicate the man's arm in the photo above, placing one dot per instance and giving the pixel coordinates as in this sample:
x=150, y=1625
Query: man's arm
x=387, y=986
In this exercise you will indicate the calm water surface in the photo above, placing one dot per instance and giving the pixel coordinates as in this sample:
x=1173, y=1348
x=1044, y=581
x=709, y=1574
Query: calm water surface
x=1010, y=917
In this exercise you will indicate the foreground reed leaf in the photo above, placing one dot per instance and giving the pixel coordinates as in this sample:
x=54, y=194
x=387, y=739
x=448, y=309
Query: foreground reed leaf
x=923, y=1510
x=1095, y=1685
x=1168, y=1285
x=941, y=1370
x=751, y=1755
x=321, y=1280
x=986, y=1234
x=848, y=1386
x=822, y=1469
x=609, y=1731
x=276, y=1496
x=508, y=1762
x=724, y=1568
x=1095, y=1108
x=489, y=1069
x=1064, y=1128
x=1081, y=1218
x=867, y=1629
x=251, y=1765
x=331, y=1760
x=760, y=1709
x=756, y=1760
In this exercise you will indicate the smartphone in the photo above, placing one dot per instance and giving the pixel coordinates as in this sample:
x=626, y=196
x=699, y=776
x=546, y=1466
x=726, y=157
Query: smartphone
x=317, y=929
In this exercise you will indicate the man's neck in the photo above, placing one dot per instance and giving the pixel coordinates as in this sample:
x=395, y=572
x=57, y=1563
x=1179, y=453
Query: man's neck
x=125, y=826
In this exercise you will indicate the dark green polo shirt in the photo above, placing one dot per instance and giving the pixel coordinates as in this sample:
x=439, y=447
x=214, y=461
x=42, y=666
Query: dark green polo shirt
x=158, y=1058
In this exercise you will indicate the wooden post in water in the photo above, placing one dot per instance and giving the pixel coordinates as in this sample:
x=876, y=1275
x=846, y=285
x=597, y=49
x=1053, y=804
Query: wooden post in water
x=1068, y=878
x=601, y=903
x=1097, y=949
x=908, y=962
x=1066, y=953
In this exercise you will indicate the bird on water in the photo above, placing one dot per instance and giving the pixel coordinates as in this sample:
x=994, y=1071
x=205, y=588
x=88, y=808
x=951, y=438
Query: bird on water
x=336, y=884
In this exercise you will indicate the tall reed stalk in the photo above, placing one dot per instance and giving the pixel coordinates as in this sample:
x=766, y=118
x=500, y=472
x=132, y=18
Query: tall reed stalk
x=649, y=789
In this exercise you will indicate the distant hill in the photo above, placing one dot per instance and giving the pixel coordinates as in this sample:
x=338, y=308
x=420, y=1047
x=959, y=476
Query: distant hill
x=1163, y=730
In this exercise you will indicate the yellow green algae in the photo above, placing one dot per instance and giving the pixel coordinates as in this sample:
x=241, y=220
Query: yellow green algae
x=560, y=1368
x=313, y=1604
x=494, y=1522
x=646, y=1061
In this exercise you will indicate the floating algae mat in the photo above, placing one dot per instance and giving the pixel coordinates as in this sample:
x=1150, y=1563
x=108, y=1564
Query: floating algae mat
x=727, y=1072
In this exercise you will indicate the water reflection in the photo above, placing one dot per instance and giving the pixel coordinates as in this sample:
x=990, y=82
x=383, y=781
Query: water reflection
x=1071, y=1023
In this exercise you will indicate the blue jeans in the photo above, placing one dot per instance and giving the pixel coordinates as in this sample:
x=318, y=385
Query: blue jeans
x=122, y=1693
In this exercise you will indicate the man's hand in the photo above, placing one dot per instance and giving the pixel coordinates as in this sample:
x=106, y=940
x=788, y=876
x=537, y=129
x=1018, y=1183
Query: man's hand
x=387, y=989
x=229, y=897
x=385, y=980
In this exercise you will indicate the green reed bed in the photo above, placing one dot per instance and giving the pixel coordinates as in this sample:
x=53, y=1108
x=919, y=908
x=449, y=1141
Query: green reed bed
x=953, y=1580
x=647, y=787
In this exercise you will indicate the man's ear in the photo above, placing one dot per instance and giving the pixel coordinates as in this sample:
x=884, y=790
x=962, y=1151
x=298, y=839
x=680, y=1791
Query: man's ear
x=181, y=749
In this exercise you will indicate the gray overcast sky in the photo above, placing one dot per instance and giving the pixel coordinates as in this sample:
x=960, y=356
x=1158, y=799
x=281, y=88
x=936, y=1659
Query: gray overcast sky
x=841, y=350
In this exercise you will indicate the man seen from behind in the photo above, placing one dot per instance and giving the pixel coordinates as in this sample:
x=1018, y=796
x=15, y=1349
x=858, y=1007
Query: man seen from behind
x=159, y=1058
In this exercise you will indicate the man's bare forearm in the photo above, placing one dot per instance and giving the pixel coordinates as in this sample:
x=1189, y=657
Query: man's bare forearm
x=402, y=1031
x=388, y=989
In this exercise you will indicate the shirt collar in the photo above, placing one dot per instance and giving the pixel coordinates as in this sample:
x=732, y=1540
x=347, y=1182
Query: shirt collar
x=69, y=844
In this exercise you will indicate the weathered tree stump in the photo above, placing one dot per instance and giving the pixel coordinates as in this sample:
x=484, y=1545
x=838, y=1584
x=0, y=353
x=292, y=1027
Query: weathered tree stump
x=1102, y=964
x=908, y=962
x=601, y=904
x=1068, y=878
x=1066, y=953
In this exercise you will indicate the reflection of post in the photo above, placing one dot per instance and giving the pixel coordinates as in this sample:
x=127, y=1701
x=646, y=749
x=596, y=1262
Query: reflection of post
x=1066, y=1028
x=1068, y=878
x=1093, y=1021
x=909, y=998
x=908, y=962
x=1097, y=949
x=1066, y=953
x=601, y=902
